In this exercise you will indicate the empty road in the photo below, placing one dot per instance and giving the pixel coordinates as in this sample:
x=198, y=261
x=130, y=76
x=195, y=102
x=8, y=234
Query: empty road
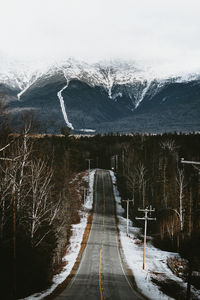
x=100, y=274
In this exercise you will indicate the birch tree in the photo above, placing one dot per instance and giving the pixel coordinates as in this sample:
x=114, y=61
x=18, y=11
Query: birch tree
x=131, y=182
x=141, y=180
x=181, y=186
x=41, y=208
x=5, y=202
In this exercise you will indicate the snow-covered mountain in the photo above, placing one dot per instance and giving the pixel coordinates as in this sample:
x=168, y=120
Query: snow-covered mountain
x=103, y=96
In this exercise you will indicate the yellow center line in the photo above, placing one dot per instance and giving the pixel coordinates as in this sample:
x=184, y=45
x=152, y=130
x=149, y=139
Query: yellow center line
x=101, y=250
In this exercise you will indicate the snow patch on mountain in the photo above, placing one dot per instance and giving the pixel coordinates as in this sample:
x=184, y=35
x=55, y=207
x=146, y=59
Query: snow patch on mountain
x=24, y=85
x=133, y=80
x=87, y=130
x=62, y=104
x=144, y=92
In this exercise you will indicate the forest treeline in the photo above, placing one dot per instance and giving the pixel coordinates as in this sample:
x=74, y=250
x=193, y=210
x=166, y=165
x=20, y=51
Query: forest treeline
x=37, y=204
x=150, y=171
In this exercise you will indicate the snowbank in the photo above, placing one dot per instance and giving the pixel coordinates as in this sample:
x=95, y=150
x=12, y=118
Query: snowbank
x=74, y=244
x=156, y=259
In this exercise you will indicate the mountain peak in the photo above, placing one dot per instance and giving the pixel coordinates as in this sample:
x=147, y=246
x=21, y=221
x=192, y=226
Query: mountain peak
x=106, y=73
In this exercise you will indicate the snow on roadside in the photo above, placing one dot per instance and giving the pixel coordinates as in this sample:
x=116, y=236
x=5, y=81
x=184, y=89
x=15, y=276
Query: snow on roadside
x=89, y=199
x=74, y=244
x=156, y=259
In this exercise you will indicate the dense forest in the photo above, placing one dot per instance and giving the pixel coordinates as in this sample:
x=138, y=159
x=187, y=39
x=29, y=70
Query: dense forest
x=39, y=202
x=38, y=205
x=151, y=171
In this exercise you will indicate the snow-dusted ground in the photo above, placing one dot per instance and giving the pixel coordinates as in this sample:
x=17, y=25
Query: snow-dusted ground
x=156, y=259
x=74, y=245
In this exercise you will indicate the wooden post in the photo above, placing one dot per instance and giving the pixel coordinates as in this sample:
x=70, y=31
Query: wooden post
x=127, y=214
x=145, y=218
x=145, y=238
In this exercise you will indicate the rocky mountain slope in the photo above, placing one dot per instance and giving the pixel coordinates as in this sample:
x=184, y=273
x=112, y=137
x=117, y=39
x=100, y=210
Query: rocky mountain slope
x=102, y=97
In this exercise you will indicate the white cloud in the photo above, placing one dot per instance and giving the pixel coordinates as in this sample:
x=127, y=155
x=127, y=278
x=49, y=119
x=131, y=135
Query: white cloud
x=163, y=32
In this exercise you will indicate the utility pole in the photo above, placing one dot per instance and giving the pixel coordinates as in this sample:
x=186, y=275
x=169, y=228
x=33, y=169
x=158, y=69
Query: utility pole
x=146, y=218
x=193, y=163
x=127, y=212
x=89, y=164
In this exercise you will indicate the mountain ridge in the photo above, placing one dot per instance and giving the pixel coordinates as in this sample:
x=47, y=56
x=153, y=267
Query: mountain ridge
x=101, y=97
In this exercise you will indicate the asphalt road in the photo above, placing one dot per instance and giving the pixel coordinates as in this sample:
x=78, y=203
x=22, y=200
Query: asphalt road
x=100, y=274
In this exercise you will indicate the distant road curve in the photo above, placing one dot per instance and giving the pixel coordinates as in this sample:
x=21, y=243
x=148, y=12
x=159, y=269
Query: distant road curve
x=100, y=274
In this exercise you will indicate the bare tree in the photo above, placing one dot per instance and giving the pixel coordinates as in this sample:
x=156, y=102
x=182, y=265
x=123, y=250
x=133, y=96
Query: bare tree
x=131, y=182
x=30, y=183
x=169, y=145
x=171, y=221
x=168, y=225
x=141, y=180
x=40, y=208
x=181, y=186
x=25, y=149
x=5, y=188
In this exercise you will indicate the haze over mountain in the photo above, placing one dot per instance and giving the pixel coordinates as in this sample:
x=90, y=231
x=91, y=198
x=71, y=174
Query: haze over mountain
x=161, y=34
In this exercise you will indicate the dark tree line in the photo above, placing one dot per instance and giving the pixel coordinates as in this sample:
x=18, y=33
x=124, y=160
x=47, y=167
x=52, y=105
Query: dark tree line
x=150, y=170
x=38, y=205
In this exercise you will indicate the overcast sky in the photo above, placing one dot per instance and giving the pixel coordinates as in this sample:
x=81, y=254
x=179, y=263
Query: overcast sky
x=163, y=33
